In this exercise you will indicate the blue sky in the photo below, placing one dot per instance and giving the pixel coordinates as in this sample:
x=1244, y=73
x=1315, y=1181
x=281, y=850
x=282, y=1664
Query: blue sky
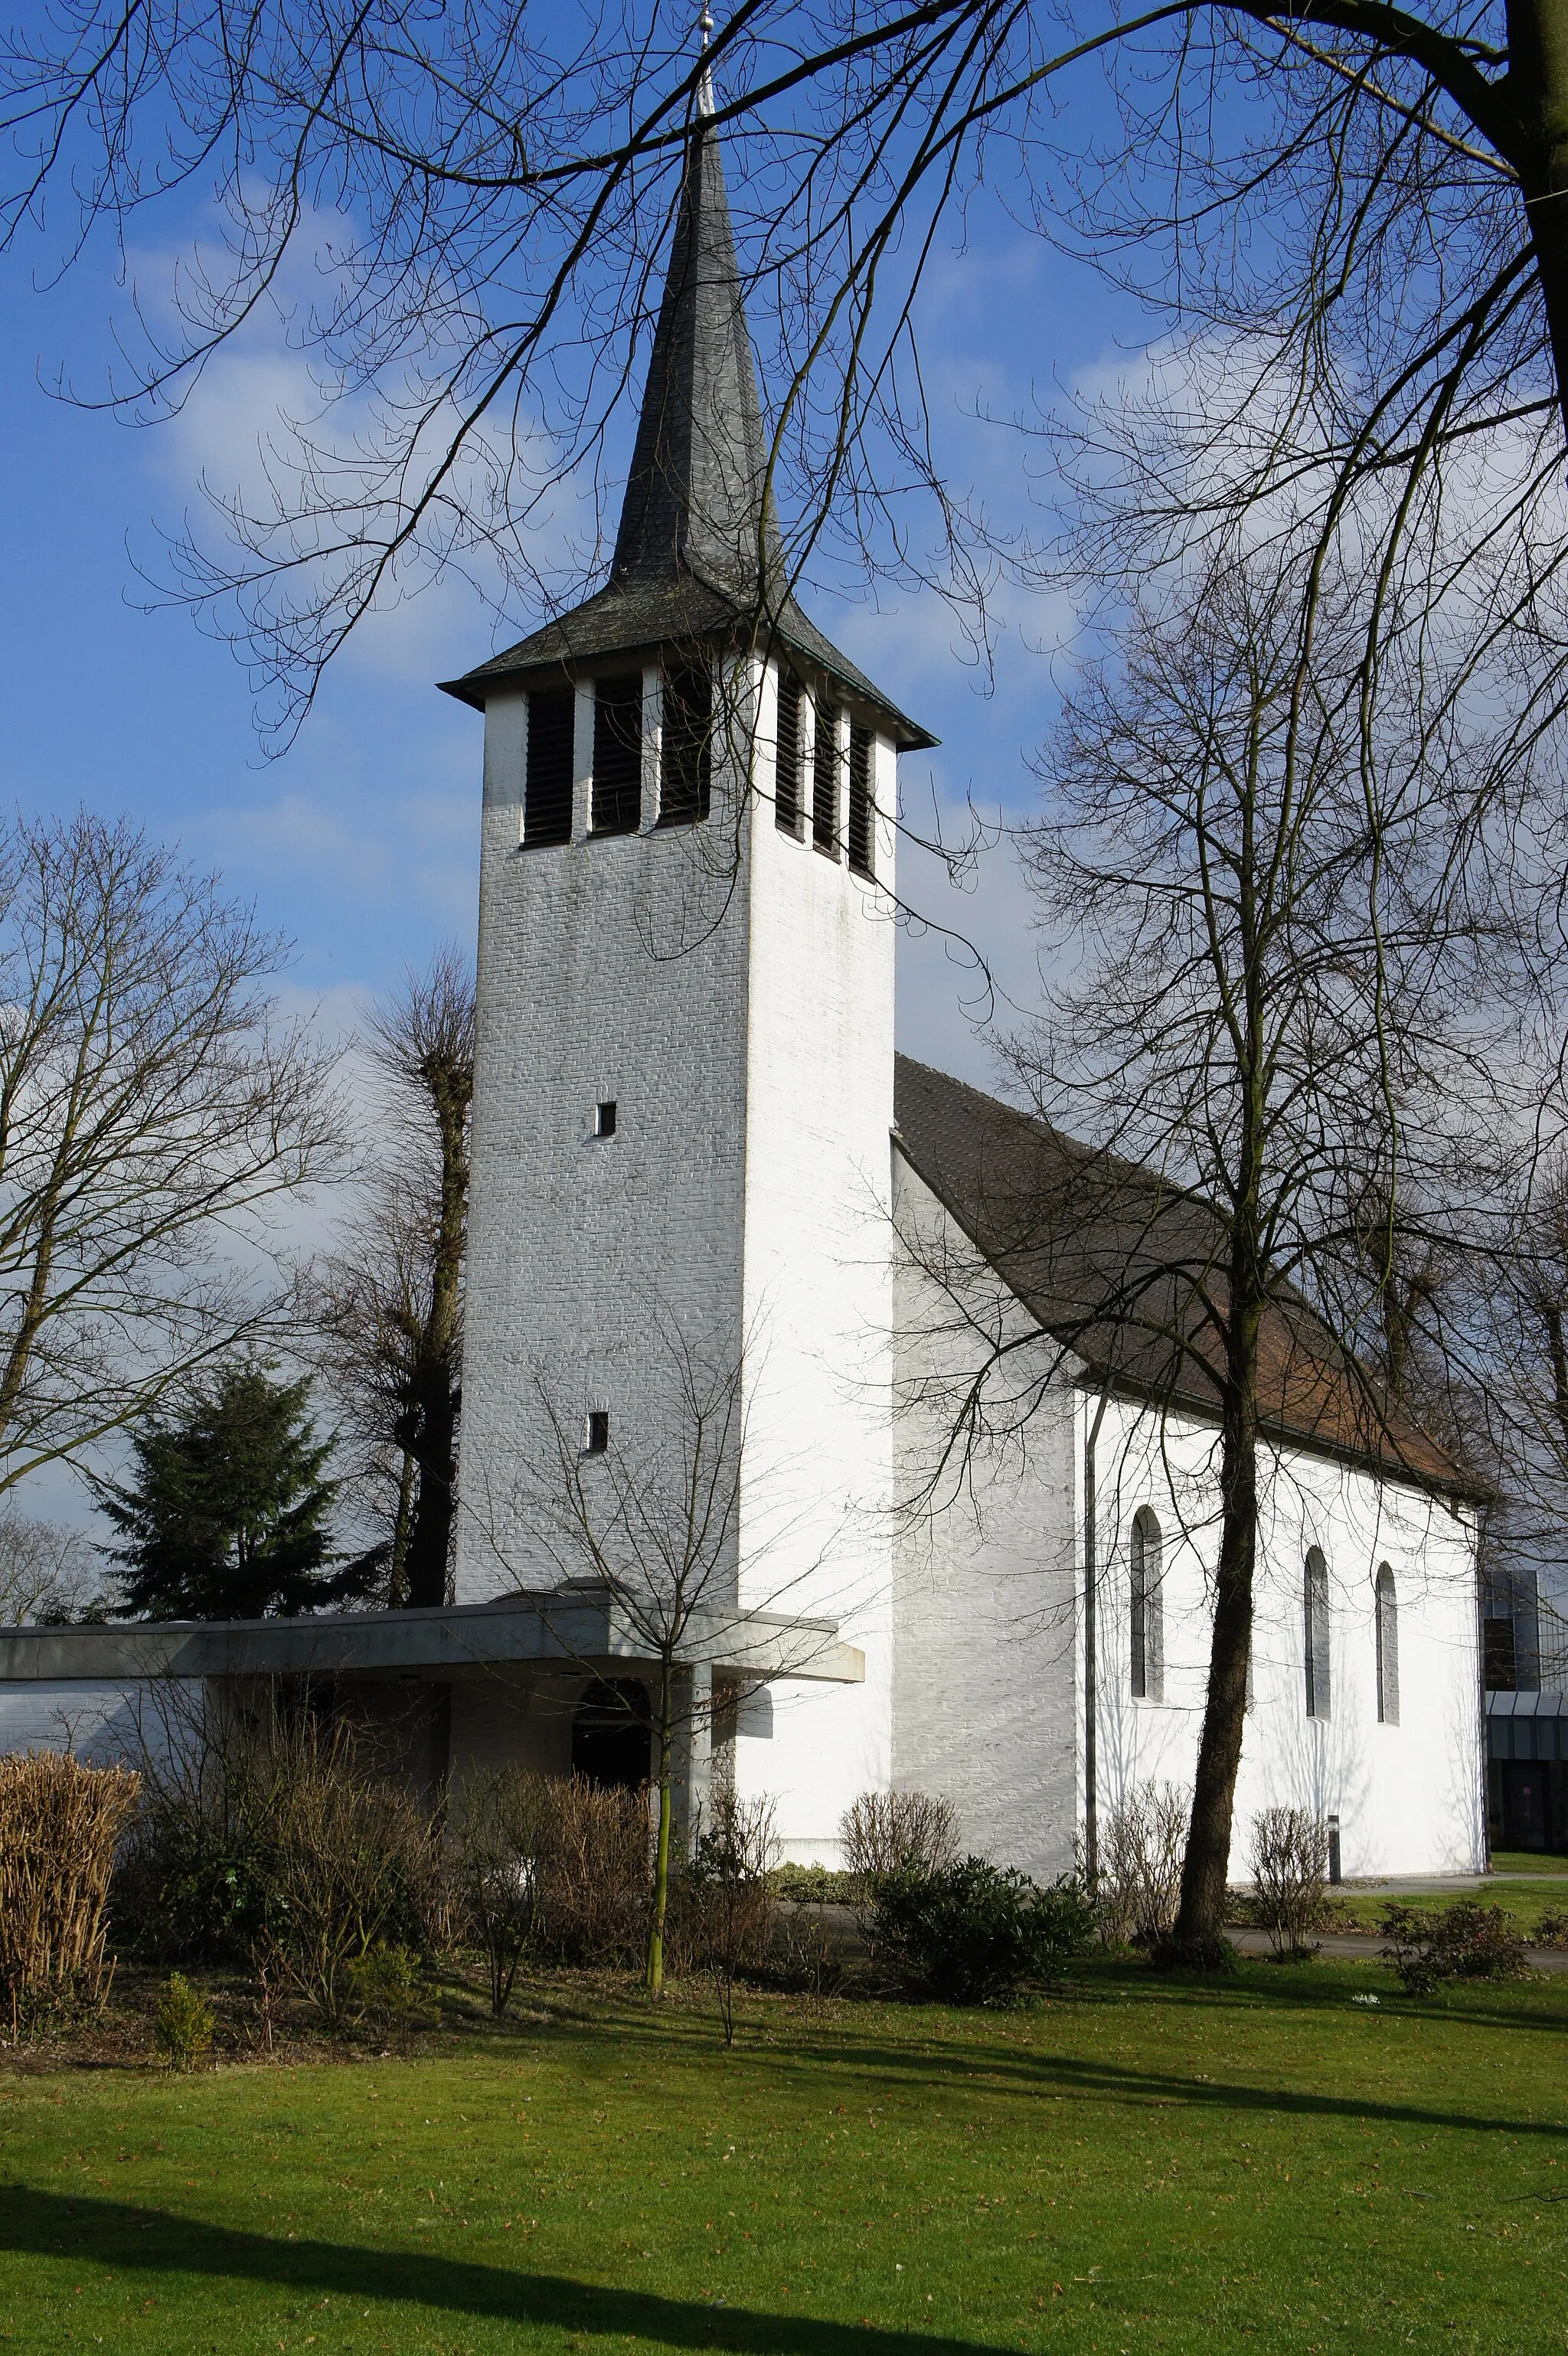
x=360, y=842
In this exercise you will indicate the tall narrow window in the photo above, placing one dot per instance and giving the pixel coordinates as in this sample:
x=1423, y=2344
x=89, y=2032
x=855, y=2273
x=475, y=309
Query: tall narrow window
x=618, y=754
x=1148, y=1614
x=860, y=836
x=546, y=794
x=1388, y=1648
x=825, y=782
x=786, y=773
x=686, y=785
x=1314, y=1632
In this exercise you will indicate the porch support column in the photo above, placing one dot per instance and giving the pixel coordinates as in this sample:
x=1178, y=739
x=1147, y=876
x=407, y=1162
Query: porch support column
x=693, y=1754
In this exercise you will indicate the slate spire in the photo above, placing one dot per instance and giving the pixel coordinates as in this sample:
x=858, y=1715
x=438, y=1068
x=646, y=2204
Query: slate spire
x=695, y=497
x=685, y=570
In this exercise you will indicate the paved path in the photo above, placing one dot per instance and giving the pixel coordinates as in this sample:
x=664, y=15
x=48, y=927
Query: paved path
x=1451, y=1885
x=1363, y=1946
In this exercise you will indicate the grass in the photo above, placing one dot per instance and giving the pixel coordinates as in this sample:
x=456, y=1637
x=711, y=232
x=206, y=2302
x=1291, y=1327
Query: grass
x=1529, y=1860
x=1136, y=2166
x=1525, y=1902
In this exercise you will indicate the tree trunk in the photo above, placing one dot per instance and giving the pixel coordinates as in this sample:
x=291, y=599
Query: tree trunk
x=1537, y=94
x=397, y=1577
x=1206, y=1867
x=436, y=1380
x=661, y=1852
x=433, y=1449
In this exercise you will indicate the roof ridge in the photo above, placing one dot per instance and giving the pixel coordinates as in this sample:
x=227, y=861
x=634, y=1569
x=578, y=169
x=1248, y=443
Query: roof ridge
x=1078, y=1264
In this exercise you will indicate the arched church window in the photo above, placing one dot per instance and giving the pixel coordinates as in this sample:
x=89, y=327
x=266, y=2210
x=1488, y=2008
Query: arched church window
x=1315, y=1631
x=1148, y=1612
x=1387, y=1607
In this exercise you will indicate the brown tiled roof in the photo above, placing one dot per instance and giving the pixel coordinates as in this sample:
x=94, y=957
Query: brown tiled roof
x=1122, y=1268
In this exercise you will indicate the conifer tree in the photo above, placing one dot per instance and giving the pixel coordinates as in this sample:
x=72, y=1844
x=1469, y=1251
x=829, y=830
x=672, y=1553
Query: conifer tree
x=226, y=1516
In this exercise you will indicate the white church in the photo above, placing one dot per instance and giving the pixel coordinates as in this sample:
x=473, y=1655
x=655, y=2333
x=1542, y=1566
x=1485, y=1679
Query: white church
x=967, y=1542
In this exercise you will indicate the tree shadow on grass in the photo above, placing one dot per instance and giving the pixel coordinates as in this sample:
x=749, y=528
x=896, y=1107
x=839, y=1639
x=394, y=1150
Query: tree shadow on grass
x=1016, y=2069
x=115, y=2233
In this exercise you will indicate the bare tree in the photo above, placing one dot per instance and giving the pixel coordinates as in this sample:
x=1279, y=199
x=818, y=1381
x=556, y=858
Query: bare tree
x=1279, y=1010
x=1361, y=201
x=154, y=1114
x=648, y=1517
x=46, y=1573
x=388, y=1302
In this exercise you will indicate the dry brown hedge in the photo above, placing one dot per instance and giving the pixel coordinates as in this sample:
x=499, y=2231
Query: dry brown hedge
x=60, y=1823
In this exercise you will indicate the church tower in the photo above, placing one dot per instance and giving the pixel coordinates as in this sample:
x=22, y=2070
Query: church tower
x=684, y=1086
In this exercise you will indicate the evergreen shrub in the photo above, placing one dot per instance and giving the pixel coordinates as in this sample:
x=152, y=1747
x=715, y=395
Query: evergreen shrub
x=973, y=1933
x=183, y=2024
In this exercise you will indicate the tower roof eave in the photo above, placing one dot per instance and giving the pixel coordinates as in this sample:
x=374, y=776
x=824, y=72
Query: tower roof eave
x=631, y=617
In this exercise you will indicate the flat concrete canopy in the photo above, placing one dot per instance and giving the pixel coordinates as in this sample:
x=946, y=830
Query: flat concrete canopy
x=586, y=1629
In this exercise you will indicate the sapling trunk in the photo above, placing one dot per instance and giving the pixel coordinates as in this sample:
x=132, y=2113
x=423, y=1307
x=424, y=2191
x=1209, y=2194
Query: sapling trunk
x=661, y=1849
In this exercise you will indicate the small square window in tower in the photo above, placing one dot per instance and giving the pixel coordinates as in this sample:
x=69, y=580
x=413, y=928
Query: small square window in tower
x=686, y=782
x=618, y=754
x=825, y=782
x=596, y=1431
x=547, y=791
x=786, y=767
x=861, y=838
x=604, y=1118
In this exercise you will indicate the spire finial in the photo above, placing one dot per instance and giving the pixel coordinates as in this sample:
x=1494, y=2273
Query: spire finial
x=705, y=80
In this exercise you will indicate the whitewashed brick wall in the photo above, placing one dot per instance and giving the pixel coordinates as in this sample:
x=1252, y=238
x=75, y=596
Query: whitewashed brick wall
x=732, y=991
x=989, y=1682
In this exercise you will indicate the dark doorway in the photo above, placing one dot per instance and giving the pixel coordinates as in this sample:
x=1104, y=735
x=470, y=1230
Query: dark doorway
x=1527, y=1822
x=611, y=1733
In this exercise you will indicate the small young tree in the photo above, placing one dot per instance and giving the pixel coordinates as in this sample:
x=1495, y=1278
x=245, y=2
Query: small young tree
x=225, y=1517
x=727, y=1881
x=647, y=1516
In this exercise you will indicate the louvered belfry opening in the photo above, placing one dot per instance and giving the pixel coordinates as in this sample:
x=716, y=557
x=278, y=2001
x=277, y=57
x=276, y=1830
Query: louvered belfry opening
x=618, y=754
x=546, y=799
x=825, y=782
x=686, y=789
x=698, y=560
x=786, y=773
x=861, y=837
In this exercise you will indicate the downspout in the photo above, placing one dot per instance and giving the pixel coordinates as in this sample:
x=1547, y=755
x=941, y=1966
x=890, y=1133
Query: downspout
x=1090, y=1728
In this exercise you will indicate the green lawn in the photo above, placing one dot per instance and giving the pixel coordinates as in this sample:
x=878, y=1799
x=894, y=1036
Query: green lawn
x=1526, y=1903
x=1136, y=2166
x=1529, y=1860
